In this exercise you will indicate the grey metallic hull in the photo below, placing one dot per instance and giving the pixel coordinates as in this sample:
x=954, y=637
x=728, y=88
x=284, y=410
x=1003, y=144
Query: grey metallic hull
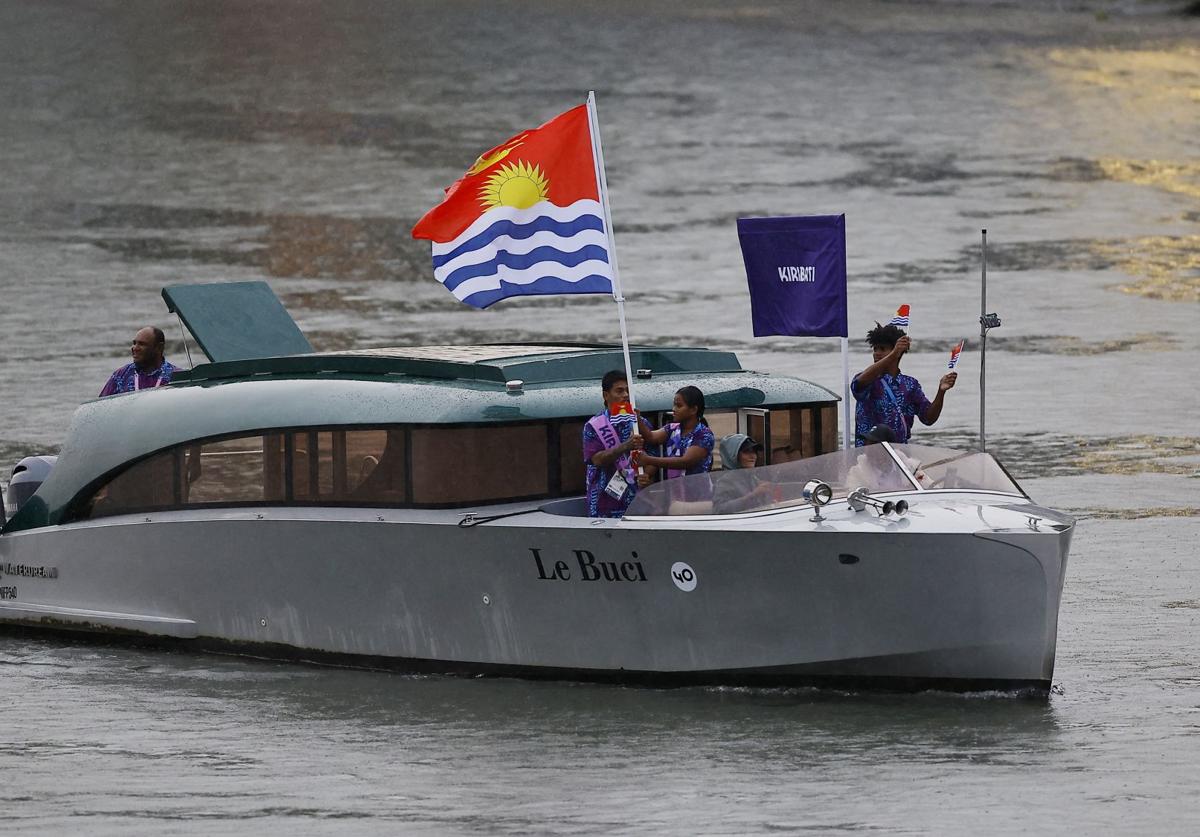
x=539, y=595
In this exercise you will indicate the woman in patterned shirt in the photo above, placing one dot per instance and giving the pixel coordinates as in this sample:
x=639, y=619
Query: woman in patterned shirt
x=689, y=446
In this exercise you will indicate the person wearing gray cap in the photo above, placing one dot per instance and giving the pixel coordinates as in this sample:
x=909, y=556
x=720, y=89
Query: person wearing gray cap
x=739, y=488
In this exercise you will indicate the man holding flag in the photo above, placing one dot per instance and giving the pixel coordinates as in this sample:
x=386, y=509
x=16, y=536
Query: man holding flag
x=530, y=218
x=885, y=396
x=610, y=443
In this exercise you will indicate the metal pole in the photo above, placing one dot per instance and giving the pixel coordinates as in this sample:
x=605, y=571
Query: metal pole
x=983, y=344
x=847, y=403
x=602, y=182
x=183, y=332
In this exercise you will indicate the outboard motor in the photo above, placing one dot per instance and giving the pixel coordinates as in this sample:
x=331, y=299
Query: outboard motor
x=27, y=477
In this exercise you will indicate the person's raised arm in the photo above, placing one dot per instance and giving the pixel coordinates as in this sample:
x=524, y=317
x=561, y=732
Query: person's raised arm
x=889, y=361
x=934, y=411
x=652, y=436
x=691, y=457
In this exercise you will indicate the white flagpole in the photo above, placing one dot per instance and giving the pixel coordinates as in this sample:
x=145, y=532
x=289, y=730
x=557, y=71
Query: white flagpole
x=848, y=405
x=602, y=181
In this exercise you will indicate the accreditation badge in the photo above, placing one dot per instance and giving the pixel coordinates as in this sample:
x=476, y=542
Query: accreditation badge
x=618, y=486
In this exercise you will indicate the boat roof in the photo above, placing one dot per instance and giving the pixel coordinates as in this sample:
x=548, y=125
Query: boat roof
x=530, y=363
x=108, y=433
x=419, y=385
x=245, y=332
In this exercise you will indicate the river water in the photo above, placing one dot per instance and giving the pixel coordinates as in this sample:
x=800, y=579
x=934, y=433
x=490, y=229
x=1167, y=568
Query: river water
x=151, y=143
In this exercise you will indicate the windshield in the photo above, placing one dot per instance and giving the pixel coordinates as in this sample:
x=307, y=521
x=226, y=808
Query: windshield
x=947, y=468
x=782, y=485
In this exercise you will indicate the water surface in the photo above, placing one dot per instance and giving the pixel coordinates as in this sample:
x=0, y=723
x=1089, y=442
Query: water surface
x=145, y=144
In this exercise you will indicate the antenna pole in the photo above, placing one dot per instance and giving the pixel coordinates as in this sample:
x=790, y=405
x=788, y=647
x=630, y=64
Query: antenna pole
x=983, y=330
x=183, y=333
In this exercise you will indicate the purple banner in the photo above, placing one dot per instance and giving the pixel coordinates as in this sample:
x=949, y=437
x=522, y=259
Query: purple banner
x=796, y=270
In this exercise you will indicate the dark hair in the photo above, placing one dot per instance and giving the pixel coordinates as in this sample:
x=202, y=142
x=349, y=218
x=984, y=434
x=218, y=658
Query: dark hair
x=693, y=397
x=613, y=378
x=160, y=339
x=884, y=335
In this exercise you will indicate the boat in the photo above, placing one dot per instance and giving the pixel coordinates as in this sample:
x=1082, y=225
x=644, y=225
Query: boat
x=421, y=509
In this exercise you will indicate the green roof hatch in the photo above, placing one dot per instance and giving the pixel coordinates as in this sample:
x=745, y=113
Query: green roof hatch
x=236, y=320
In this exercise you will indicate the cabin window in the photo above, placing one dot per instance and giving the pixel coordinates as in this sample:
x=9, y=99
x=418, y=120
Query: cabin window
x=721, y=423
x=793, y=435
x=376, y=466
x=801, y=432
x=345, y=466
x=434, y=466
x=438, y=466
x=151, y=483
x=312, y=465
x=462, y=465
x=572, y=470
x=243, y=470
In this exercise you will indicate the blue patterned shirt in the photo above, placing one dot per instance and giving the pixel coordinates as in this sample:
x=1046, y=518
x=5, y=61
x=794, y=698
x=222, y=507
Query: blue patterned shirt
x=677, y=445
x=892, y=400
x=129, y=378
x=600, y=503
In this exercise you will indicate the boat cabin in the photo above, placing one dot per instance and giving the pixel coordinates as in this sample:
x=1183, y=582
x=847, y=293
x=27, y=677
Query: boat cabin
x=434, y=427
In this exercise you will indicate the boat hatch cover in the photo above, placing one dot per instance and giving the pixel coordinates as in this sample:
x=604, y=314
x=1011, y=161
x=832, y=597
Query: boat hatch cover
x=236, y=320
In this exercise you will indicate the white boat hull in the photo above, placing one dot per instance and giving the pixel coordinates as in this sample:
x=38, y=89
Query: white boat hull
x=777, y=599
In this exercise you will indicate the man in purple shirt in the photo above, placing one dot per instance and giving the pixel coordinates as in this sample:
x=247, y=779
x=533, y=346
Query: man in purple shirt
x=148, y=370
x=608, y=441
x=885, y=396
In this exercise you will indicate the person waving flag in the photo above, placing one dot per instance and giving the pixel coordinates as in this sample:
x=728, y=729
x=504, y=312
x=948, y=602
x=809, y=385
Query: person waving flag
x=526, y=219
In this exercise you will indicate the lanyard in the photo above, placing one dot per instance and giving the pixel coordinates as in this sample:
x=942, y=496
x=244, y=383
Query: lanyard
x=137, y=378
x=891, y=395
x=680, y=443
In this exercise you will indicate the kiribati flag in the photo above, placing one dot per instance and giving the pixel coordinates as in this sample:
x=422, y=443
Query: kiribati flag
x=901, y=318
x=796, y=272
x=955, y=352
x=524, y=220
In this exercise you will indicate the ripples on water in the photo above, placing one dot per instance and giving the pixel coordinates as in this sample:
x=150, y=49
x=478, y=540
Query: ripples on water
x=150, y=144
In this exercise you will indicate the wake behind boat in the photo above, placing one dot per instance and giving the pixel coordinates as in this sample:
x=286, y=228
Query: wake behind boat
x=421, y=509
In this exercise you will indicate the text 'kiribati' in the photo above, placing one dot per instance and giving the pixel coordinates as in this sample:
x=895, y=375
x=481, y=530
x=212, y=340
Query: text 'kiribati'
x=797, y=273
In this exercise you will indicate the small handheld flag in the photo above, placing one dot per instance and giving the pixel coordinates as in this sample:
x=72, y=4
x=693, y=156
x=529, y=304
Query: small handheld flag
x=526, y=219
x=955, y=352
x=901, y=318
x=624, y=408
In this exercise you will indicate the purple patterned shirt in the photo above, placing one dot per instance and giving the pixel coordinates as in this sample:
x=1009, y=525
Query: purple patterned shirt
x=892, y=400
x=677, y=445
x=599, y=502
x=129, y=378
